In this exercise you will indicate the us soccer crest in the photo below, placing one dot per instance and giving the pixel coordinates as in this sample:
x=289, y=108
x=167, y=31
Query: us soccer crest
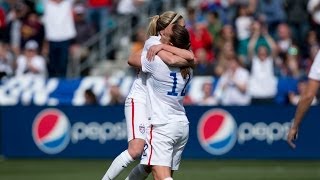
x=142, y=129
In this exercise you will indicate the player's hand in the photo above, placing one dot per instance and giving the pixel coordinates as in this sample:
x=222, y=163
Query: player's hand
x=153, y=50
x=292, y=136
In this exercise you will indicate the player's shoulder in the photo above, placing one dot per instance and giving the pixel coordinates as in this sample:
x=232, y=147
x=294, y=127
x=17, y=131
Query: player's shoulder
x=152, y=40
x=155, y=62
x=159, y=66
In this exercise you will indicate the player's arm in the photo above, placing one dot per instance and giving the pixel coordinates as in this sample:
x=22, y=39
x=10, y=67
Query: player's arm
x=171, y=55
x=252, y=44
x=150, y=66
x=183, y=53
x=174, y=60
x=134, y=59
x=303, y=105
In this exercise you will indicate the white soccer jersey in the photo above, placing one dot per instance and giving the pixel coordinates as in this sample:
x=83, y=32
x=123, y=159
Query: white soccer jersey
x=152, y=40
x=136, y=105
x=138, y=89
x=166, y=89
x=315, y=68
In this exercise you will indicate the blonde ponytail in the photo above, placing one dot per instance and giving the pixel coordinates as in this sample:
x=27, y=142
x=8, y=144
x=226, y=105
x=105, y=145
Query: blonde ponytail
x=160, y=22
x=152, y=28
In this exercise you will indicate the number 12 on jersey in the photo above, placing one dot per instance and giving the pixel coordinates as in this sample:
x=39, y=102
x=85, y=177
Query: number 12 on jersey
x=174, y=87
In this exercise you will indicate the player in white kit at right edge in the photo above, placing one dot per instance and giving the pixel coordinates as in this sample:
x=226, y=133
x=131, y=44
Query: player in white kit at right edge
x=305, y=99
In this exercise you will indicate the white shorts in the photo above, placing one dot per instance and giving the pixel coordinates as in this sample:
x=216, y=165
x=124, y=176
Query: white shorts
x=136, y=119
x=165, y=144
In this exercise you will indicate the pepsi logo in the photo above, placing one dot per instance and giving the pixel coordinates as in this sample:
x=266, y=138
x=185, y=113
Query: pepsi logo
x=217, y=132
x=50, y=131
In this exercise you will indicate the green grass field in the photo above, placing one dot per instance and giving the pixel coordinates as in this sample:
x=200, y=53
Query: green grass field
x=27, y=169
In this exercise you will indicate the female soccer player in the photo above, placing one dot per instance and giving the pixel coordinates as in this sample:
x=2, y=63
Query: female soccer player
x=166, y=86
x=136, y=103
x=305, y=100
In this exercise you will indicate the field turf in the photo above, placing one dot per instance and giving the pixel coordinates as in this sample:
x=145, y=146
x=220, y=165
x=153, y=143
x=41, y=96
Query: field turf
x=83, y=169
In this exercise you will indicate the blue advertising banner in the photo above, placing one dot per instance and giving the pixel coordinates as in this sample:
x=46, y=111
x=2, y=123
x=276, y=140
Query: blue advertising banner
x=63, y=132
x=250, y=132
x=97, y=131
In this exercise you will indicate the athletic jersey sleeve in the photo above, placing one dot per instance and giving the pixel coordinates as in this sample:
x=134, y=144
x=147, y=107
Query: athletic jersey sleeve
x=315, y=68
x=152, y=40
x=145, y=64
x=151, y=66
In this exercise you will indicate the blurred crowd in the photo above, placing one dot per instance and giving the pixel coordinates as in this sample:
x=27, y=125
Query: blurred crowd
x=257, y=51
x=39, y=37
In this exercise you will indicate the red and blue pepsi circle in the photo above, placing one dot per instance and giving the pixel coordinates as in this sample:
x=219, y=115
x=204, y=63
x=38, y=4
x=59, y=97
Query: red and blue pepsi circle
x=51, y=131
x=217, y=131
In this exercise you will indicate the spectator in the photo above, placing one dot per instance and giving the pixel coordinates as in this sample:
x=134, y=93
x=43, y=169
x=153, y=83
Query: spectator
x=229, y=8
x=193, y=17
x=284, y=39
x=201, y=39
x=83, y=28
x=232, y=87
x=116, y=96
x=59, y=30
x=32, y=29
x=259, y=37
x=289, y=76
x=227, y=35
x=224, y=54
x=243, y=22
x=6, y=62
x=262, y=86
x=30, y=62
x=203, y=67
x=272, y=12
x=291, y=64
x=84, y=31
x=307, y=62
x=138, y=39
x=297, y=18
x=13, y=29
x=99, y=13
x=214, y=26
x=311, y=41
x=90, y=97
x=208, y=99
x=295, y=97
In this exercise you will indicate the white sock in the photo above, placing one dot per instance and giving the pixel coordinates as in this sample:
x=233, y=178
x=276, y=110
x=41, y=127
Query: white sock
x=138, y=173
x=168, y=178
x=118, y=165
